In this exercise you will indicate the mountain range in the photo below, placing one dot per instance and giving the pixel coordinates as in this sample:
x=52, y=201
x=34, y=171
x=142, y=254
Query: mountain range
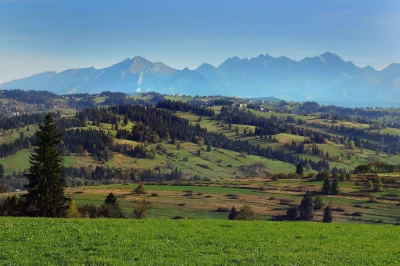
x=325, y=77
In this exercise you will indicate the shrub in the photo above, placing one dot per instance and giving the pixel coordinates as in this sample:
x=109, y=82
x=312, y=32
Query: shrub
x=232, y=196
x=246, y=213
x=139, y=190
x=205, y=166
x=222, y=209
x=89, y=211
x=73, y=211
x=321, y=176
x=311, y=176
x=188, y=193
x=110, y=208
x=285, y=201
x=11, y=206
x=292, y=213
x=338, y=209
x=318, y=203
x=161, y=147
x=110, y=211
x=372, y=199
x=140, y=211
x=170, y=164
x=178, y=217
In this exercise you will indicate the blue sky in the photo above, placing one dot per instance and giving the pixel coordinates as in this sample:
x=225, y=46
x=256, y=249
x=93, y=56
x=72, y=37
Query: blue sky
x=40, y=35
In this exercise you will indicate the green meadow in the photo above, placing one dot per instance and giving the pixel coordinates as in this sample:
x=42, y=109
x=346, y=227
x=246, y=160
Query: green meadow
x=43, y=241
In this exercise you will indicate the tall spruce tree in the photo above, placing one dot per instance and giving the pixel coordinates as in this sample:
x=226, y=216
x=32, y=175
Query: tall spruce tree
x=46, y=187
x=326, y=187
x=299, y=169
x=335, y=190
x=306, y=207
x=233, y=214
x=327, y=215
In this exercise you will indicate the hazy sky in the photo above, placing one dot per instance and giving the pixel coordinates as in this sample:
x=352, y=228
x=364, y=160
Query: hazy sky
x=41, y=35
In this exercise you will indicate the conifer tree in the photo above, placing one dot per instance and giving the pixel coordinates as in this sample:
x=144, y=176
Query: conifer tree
x=233, y=214
x=111, y=200
x=46, y=187
x=327, y=215
x=110, y=208
x=208, y=147
x=335, y=190
x=1, y=171
x=326, y=187
x=306, y=207
x=299, y=169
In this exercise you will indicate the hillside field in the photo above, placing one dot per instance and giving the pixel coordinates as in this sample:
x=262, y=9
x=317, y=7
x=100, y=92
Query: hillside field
x=43, y=241
x=200, y=200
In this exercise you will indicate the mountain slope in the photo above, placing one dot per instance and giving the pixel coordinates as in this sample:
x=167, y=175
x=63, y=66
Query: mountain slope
x=323, y=77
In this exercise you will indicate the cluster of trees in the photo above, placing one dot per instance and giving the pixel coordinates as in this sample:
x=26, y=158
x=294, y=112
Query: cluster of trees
x=375, y=167
x=268, y=126
x=11, y=148
x=363, y=138
x=24, y=120
x=93, y=141
x=80, y=176
x=246, y=213
x=17, y=206
x=372, y=113
x=305, y=211
x=31, y=96
x=329, y=188
x=116, y=98
x=109, y=209
x=186, y=107
x=376, y=183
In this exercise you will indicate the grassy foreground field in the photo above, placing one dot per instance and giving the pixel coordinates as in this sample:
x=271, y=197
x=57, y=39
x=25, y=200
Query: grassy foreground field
x=40, y=241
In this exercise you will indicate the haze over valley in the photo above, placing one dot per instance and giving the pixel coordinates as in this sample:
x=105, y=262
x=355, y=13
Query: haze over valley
x=326, y=77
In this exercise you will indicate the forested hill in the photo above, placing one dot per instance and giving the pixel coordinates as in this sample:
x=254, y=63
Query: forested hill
x=273, y=147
